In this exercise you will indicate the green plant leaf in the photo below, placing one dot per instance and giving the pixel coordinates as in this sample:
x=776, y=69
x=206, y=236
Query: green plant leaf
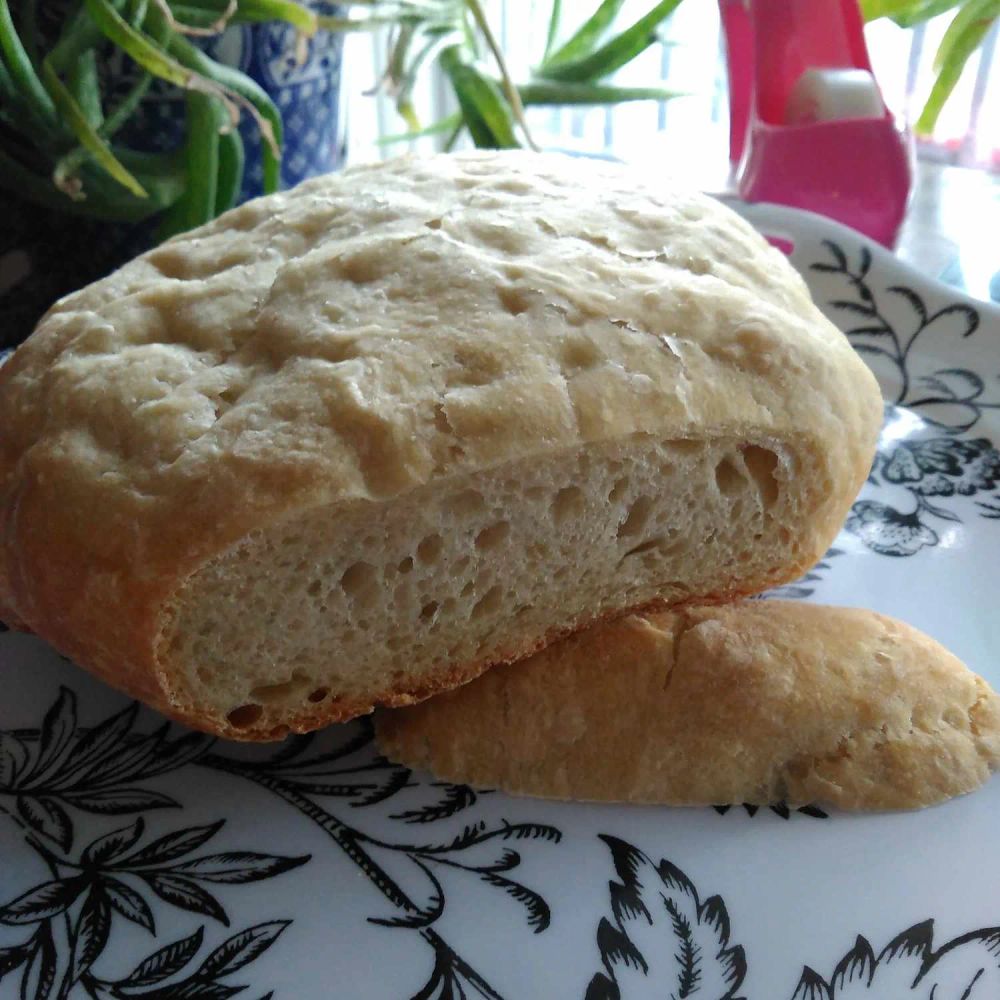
x=205, y=119
x=437, y=128
x=587, y=36
x=975, y=14
x=265, y=111
x=906, y=13
x=555, y=15
x=84, y=87
x=484, y=110
x=554, y=92
x=21, y=71
x=623, y=48
x=86, y=135
x=964, y=35
x=292, y=13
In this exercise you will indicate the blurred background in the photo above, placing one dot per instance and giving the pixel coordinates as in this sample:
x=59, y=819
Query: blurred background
x=123, y=122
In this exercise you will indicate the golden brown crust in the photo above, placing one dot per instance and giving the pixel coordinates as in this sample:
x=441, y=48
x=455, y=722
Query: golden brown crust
x=752, y=702
x=298, y=353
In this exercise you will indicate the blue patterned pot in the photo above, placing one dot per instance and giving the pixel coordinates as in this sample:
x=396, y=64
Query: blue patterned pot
x=307, y=93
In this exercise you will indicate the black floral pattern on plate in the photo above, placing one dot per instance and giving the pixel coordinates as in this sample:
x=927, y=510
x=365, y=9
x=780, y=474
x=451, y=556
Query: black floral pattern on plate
x=943, y=462
x=54, y=934
x=657, y=903
x=662, y=940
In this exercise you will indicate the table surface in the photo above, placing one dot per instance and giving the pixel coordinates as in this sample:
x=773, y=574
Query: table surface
x=952, y=228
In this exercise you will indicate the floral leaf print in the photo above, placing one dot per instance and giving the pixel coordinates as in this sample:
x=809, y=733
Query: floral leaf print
x=237, y=867
x=186, y=894
x=455, y=799
x=57, y=733
x=241, y=949
x=661, y=933
x=967, y=968
x=44, y=901
x=890, y=323
x=111, y=845
x=175, y=845
x=40, y=973
x=129, y=903
x=779, y=809
x=93, y=927
x=233, y=954
x=887, y=531
x=165, y=962
x=46, y=817
x=13, y=759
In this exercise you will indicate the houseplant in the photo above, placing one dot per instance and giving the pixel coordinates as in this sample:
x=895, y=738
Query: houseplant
x=89, y=183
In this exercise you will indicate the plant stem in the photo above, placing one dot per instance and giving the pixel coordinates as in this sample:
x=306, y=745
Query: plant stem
x=509, y=89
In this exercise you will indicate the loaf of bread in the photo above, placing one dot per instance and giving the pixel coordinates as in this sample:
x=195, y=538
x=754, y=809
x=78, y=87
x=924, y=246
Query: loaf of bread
x=354, y=443
x=757, y=702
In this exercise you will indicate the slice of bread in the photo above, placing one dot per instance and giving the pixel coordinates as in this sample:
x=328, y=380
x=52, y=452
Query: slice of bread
x=352, y=444
x=757, y=702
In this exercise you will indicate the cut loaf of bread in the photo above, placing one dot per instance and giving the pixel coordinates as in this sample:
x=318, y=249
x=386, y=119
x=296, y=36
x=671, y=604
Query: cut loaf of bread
x=757, y=702
x=354, y=443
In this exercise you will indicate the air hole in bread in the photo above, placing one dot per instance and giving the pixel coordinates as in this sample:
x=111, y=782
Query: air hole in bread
x=646, y=546
x=567, y=503
x=489, y=603
x=514, y=300
x=405, y=565
x=465, y=504
x=315, y=588
x=728, y=478
x=433, y=223
x=320, y=694
x=428, y=611
x=618, y=490
x=429, y=550
x=638, y=515
x=761, y=463
x=493, y=536
x=244, y=716
x=269, y=694
x=358, y=579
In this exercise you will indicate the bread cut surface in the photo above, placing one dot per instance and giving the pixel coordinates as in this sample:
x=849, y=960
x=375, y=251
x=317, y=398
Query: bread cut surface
x=351, y=444
x=756, y=702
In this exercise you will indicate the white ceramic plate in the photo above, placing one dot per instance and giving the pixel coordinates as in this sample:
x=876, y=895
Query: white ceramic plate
x=137, y=860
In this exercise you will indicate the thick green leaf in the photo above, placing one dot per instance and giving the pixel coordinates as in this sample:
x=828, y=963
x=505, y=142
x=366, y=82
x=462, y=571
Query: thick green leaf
x=974, y=15
x=86, y=134
x=232, y=81
x=552, y=32
x=84, y=87
x=961, y=40
x=906, y=13
x=484, y=110
x=587, y=36
x=288, y=11
x=623, y=48
x=205, y=119
x=554, y=92
x=20, y=70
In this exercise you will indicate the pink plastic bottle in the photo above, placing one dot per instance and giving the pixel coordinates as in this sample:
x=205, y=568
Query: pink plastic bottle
x=853, y=169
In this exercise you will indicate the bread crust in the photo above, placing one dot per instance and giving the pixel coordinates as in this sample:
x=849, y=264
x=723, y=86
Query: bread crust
x=756, y=702
x=330, y=345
